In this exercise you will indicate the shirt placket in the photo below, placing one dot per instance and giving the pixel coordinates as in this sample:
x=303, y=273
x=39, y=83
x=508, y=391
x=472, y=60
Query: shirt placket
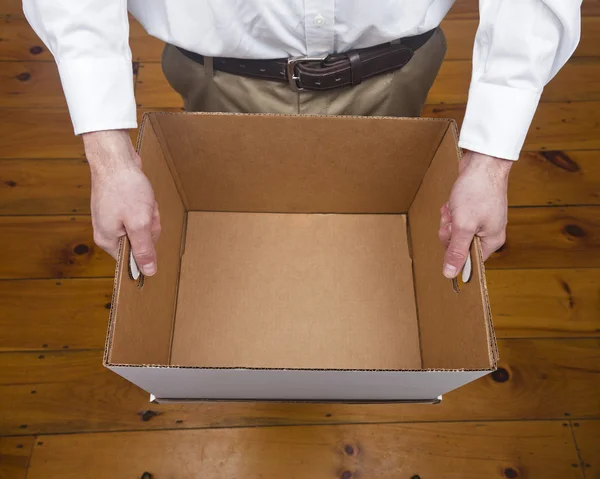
x=319, y=21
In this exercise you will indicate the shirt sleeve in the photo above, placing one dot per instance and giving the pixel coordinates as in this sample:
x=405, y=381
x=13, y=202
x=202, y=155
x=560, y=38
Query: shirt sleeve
x=519, y=46
x=89, y=41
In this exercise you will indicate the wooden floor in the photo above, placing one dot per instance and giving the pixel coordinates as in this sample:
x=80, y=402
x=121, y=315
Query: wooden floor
x=63, y=416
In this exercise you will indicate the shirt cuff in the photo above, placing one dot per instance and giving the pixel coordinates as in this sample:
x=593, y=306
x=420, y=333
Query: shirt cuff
x=497, y=119
x=99, y=93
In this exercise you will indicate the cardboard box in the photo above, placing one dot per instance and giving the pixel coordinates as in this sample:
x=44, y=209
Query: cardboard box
x=299, y=260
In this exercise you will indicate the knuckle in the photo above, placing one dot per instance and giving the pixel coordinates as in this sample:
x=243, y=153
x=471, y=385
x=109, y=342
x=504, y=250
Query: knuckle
x=100, y=240
x=140, y=223
x=455, y=254
x=465, y=225
x=144, y=255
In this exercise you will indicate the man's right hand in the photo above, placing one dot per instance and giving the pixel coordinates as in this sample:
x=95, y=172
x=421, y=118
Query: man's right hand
x=122, y=198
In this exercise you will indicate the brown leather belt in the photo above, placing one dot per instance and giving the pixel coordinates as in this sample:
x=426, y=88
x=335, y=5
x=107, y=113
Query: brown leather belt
x=326, y=72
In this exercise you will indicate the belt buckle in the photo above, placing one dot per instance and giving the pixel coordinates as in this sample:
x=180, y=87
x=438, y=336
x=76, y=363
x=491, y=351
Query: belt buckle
x=293, y=79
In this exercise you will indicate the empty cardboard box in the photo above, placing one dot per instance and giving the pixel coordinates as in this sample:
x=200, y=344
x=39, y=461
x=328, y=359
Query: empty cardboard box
x=299, y=260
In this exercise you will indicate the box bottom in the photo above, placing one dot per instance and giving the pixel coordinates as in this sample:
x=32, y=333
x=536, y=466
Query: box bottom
x=296, y=291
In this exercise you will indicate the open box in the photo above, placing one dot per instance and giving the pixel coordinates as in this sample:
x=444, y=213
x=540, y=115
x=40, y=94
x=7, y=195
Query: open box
x=299, y=260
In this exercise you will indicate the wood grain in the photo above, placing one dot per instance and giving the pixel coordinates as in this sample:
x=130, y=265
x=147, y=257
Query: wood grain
x=143, y=46
x=44, y=187
x=555, y=126
x=62, y=186
x=587, y=437
x=30, y=84
x=14, y=456
x=153, y=90
x=555, y=178
x=19, y=41
x=451, y=450
x=11, y=6
x=545, y=302
x=39, y=133
x=49, y=314
x=563, y=237
x=50, y=247
x=539, y=379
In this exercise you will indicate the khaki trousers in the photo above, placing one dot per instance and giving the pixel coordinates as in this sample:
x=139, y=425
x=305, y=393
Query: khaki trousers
x=399, y=93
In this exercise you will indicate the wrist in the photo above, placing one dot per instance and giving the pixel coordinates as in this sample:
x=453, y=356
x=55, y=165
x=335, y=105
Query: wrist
x=108, y=149
x=497, y=166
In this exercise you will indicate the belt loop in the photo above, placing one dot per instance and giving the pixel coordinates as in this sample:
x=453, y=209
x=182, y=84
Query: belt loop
x=208, y=67
x=356, y=69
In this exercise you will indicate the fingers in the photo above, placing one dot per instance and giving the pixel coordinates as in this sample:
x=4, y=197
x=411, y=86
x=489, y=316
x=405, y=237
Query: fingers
x=142, y=244
x=458, y=249
x=155, y=227
x=445, y=231
x=489, y=244
x=110, y=244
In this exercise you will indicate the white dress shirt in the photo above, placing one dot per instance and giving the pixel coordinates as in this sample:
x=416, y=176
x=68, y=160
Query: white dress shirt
x=520, y=45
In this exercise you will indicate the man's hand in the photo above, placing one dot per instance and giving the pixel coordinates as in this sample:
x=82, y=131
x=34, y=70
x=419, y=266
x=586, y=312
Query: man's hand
x=122, y=198
x=477, y=206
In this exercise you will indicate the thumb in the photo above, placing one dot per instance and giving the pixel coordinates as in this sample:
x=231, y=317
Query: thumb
x=142, y=246
x=457, y=251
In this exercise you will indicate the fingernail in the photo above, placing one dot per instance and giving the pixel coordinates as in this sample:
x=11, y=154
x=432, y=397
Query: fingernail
x=149, y=269
x=449, y=271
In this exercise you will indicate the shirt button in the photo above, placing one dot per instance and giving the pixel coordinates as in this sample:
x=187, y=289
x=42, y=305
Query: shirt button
x=319, y=20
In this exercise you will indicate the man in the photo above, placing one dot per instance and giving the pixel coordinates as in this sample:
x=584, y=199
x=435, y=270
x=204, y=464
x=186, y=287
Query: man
x=220, y=55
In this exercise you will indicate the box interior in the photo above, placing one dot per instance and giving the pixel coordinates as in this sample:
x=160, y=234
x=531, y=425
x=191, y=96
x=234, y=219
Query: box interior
x=299, y=243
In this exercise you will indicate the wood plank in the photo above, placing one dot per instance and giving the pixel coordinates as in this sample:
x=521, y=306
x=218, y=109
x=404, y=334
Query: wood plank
x=555, y=126
x=153, y=90
x=19, y=41
x=455, y=450
x=38, y=133
x=579, y=80
x=460, y=37
x=539, y=379
x=555, y=178
x=143, y=46
x=30, y=84
x=43, y=133
x=62, y=186
x=546, y=302
x=37, y=187
x=50, y=314
x=11, y=6
x=14, y=456
x=587, y=437
x=50, y=247
x=563, y=237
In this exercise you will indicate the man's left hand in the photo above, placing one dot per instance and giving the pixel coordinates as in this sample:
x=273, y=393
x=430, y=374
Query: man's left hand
x=477, y=206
